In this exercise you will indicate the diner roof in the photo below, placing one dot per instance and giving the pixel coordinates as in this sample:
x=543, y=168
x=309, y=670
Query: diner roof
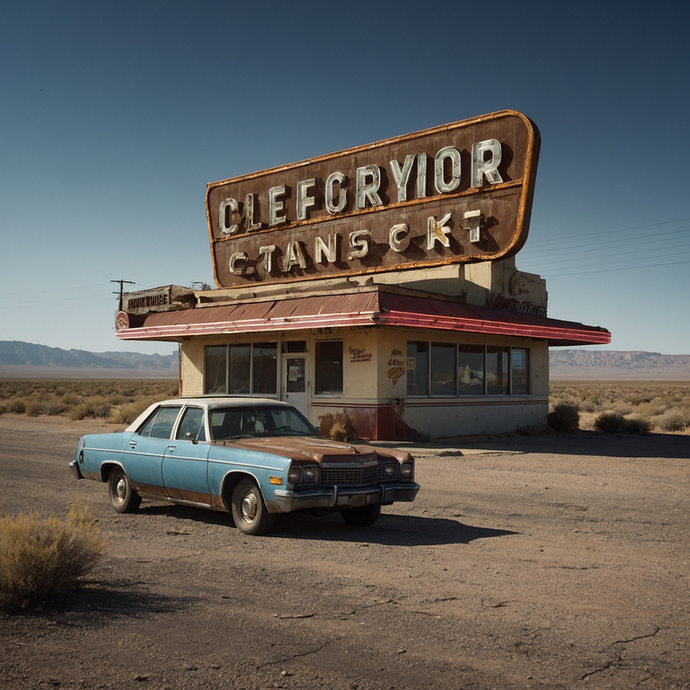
x=372, y=306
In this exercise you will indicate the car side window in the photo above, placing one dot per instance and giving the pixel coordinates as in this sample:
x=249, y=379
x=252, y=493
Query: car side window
x=161, y=424
x=192, y=423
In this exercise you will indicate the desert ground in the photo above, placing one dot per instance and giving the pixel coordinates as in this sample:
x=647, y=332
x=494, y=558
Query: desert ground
x=547, y=561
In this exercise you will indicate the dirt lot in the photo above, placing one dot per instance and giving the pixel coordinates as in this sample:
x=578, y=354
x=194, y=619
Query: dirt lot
x=542, y=562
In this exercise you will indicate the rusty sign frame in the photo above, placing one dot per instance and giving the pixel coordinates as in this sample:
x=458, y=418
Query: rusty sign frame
x=401, y=203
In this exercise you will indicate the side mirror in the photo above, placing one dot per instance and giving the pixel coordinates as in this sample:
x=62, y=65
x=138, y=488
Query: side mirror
x=192, y=437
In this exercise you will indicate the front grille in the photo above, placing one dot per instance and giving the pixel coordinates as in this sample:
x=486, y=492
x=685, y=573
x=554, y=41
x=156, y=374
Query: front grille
x=349, y=476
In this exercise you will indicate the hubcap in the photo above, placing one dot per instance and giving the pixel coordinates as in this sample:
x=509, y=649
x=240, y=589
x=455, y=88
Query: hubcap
x=121, y=489
x=249, y=507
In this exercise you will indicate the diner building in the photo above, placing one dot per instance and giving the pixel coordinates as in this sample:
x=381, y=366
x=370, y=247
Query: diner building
x=396, y=311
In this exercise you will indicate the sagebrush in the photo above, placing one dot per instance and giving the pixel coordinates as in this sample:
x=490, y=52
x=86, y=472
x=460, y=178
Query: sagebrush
x=40, y=558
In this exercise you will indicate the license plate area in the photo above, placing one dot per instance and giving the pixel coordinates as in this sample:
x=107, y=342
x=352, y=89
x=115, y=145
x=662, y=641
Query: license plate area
x=357, y=501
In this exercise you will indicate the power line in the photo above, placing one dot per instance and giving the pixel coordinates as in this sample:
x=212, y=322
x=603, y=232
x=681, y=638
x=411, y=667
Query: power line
x=646, y=239
x=609, y=270
x=609, y=232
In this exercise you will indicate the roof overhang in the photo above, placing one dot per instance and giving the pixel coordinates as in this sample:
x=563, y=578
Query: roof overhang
x=373, y=307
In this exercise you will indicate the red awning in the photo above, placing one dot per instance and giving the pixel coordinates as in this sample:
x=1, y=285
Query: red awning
x=368, y=308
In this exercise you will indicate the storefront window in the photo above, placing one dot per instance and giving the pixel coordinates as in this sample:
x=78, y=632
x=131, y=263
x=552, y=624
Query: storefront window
x=519, y=371
x=442, y=369
x=497, y=361
x=215, y=369
x=417, y=368
x=265, y=368
x=470, y=370
x=239, y=370
x=329, y=367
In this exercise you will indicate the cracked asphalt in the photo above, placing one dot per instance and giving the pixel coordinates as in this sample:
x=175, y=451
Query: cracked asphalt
x=526, y=562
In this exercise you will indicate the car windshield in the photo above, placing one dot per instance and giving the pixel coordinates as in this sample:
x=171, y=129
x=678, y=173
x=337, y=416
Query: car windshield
x=258, y=420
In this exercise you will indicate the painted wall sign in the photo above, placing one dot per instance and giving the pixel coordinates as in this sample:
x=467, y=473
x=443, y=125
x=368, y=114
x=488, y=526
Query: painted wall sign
x=456, y=193
x=359, y=354
x=396, y=365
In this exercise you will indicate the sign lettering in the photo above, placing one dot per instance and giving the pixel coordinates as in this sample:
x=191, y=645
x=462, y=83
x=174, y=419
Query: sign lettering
x=457, y=193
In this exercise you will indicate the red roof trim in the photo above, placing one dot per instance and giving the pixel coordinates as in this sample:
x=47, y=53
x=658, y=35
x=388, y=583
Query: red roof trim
x=360, y=309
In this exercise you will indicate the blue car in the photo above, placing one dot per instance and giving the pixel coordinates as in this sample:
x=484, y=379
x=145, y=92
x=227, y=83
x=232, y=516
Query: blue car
x=255, y=458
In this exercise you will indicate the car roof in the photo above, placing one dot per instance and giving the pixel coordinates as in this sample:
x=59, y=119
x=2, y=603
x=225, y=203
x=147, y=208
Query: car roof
x=225, y=401
x=207, y=402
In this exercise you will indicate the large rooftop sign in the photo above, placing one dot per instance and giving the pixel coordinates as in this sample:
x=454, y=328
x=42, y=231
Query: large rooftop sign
x=457, y=193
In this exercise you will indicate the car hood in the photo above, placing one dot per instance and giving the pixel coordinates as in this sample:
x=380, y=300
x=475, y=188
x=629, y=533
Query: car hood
x=312, y=448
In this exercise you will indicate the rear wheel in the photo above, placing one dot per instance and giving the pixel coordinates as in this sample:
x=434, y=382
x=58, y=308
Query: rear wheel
x=362, y=517
x=249, y=510
x=123, y=498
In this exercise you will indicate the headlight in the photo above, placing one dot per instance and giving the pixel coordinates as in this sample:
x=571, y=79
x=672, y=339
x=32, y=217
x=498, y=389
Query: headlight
x=407, y=470
x=390, y=470
x=309, y=474
x=295, y=475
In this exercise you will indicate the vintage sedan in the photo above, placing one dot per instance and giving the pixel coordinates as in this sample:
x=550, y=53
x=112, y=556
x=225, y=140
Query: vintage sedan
x=252, y=457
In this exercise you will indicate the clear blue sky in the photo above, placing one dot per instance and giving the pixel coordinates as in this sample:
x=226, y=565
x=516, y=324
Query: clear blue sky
x=115, y=115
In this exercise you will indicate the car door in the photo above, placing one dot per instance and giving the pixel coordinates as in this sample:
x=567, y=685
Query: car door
x=185, y=462
x=143, y=457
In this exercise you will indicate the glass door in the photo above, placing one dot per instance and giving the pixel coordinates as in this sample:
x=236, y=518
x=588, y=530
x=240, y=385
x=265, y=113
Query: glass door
x=295, y=381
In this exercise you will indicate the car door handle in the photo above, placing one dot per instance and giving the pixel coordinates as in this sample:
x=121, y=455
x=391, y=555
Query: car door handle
x=132, y=444
x=172, y=447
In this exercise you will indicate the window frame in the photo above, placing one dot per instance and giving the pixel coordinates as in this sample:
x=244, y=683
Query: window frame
x=252, y=392
x=504, y=352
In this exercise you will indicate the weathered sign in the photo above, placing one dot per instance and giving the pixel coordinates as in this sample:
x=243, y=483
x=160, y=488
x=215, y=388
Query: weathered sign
x=166, y=298
x=456, y=193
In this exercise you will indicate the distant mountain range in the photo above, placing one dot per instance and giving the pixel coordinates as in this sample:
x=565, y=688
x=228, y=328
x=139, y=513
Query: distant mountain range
x=17, y=357
x=27, y=359
x=622, y=365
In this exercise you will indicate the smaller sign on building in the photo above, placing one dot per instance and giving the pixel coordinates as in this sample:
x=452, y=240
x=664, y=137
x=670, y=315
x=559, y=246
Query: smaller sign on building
x=167, y=298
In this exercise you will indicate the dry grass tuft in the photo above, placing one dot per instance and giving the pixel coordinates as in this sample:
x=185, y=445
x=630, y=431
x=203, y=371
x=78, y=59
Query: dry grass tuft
x=41, y=558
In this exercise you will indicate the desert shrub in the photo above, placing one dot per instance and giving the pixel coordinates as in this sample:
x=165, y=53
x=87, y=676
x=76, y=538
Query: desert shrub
x=33, y=408
x=673, y=420
x=587, y=406
x=564, y=418
x=17, y=405
x=41, y=558
x=613, y=423
x=610, y=423
x=636, y=399
x=622, y=408
x=128, y=413
x=650, y=409
x=70, y=399
x=95, y=406
x=55, y=408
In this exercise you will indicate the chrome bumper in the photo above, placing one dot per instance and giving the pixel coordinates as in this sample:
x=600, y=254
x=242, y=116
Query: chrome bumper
x=338, y=497
x=74, y=466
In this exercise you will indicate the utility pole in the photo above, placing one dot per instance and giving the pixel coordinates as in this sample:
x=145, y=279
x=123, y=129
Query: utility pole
x=122, y=282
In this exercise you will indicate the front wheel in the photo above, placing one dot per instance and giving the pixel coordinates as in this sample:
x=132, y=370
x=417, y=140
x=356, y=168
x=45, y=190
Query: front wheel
x=123, y=498
x=249, y=510
x=362, y=517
